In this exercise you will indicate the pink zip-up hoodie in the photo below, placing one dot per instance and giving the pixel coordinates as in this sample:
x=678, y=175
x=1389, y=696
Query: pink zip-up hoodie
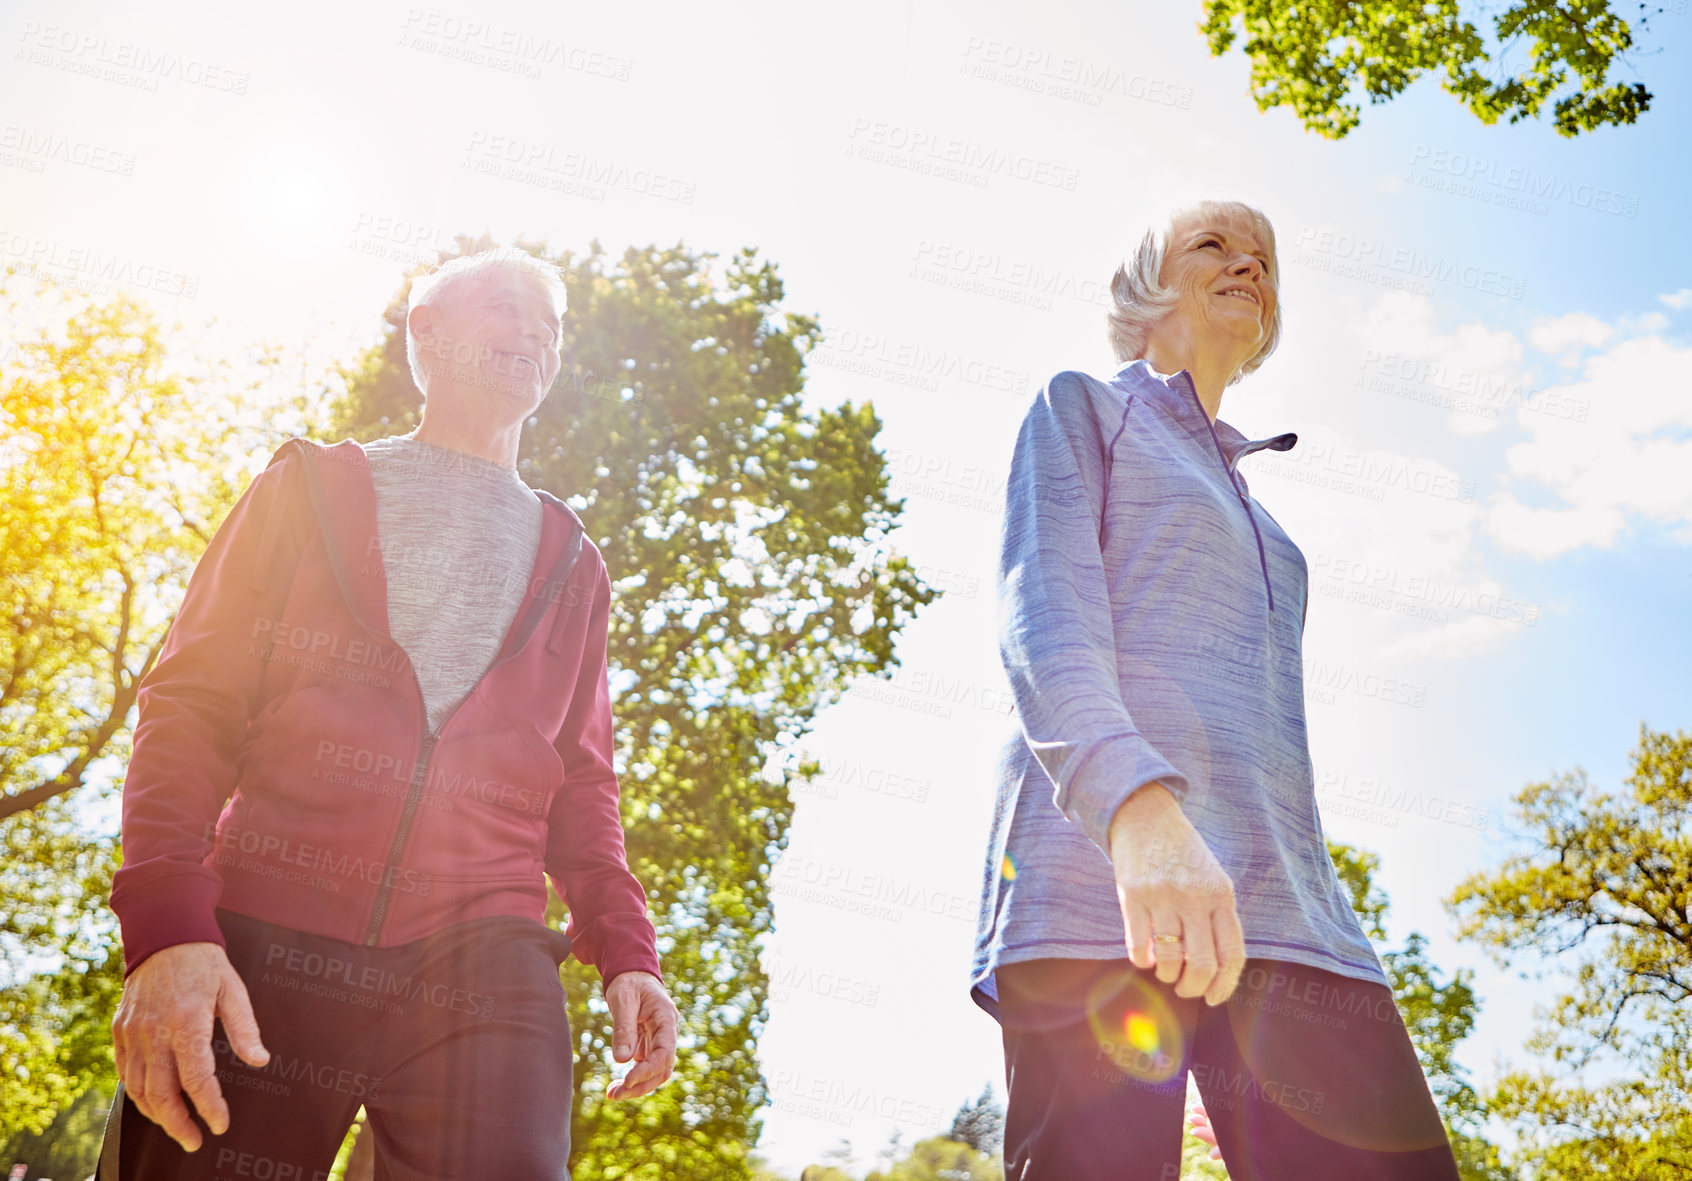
x=283, y=767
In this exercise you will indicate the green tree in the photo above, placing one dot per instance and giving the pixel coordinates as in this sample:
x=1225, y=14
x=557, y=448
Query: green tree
x=1316, y=56
x=115, y=468
x=1438, y=1015
x=746, y=538
x=941, y=1158
x=69, y=1146
x=980, y=1124
x=62, y=974
x=1604, y=893
x=118, y=457
x=1196, y=1162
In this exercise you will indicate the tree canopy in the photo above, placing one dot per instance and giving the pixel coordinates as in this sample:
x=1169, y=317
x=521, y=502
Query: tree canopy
x=119, y=455
x=1438, y=1012
x=980, y=1124
x=117, y=461
x=1318, y=56
x=1603, y=893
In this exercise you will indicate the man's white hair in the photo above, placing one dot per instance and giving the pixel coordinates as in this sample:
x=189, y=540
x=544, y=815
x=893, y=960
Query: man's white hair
x=1139, y=300
x=446, y=283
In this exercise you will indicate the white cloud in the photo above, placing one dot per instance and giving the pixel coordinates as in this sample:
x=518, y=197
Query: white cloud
x=1565, y=337
x=1602, y=454
x=1474, y=369
x=1390, y=543
x=1680, y=300
x=1642, y=324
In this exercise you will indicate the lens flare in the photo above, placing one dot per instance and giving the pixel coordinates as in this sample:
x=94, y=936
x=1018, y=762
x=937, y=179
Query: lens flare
x=1140, y=1032
x=1135, y=1027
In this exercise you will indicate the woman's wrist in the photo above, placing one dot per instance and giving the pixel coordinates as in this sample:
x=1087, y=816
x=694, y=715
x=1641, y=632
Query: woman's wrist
x=1147, y=801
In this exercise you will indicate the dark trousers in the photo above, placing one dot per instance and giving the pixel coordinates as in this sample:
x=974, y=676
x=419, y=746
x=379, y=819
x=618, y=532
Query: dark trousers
x=457, y=1046
x=1306, y=1075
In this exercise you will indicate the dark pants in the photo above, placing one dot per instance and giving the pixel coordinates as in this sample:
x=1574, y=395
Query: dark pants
x=1306, y=1075
x=457, y=1046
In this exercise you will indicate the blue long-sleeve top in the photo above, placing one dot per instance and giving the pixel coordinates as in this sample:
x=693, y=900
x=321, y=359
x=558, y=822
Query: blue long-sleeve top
x=1150, y=619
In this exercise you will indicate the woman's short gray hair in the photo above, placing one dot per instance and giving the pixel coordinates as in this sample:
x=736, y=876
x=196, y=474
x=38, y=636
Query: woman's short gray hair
x=1139, y=300
x=446, y=282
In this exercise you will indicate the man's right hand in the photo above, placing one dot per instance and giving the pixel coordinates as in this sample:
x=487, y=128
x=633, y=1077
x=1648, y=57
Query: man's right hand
x=1169, y=883
x=162, y=1036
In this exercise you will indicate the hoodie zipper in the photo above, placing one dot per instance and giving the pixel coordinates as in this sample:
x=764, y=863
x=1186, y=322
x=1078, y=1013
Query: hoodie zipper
x=425, y=748
x=562, y=569
x=1233, y=481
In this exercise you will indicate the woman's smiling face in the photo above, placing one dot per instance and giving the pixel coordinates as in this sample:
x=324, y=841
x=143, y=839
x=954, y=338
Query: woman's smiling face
x=1220, y=271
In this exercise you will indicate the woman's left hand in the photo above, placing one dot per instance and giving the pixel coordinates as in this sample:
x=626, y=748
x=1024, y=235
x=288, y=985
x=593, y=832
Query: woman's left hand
x=1177, y=901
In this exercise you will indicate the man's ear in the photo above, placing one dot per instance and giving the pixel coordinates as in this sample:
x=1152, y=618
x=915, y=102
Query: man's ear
x=422, y=322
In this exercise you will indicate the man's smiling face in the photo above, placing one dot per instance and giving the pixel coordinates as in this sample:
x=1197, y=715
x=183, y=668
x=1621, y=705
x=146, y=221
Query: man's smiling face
x=500, y=333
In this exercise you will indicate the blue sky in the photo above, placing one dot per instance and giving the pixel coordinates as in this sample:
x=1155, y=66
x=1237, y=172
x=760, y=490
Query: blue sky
x=1486, y=356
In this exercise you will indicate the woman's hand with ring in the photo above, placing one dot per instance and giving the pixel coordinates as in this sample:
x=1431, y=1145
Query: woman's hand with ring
x=1169, y=882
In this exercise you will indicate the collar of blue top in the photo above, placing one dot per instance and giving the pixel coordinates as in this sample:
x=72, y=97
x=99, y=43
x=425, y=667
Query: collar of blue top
x=1175, y=395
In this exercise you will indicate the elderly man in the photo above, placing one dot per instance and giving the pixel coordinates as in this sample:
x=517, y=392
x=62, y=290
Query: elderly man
x=380, y=714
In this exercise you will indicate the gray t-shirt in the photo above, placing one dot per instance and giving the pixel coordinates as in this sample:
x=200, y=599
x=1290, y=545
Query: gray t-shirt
x=458, y=537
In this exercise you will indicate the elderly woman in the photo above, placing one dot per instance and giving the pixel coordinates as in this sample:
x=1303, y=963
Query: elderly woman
x=1159, y=896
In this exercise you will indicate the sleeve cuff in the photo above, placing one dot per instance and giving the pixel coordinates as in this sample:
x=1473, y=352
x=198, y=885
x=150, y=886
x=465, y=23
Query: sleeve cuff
x=181, y=908
x=1116, y=770
x=623, y=944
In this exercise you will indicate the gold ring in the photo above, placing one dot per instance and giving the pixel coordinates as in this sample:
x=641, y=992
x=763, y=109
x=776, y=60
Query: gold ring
x=1167, y=939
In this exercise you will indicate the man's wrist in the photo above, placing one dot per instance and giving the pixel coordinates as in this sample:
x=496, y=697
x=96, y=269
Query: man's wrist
x=631, y=972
